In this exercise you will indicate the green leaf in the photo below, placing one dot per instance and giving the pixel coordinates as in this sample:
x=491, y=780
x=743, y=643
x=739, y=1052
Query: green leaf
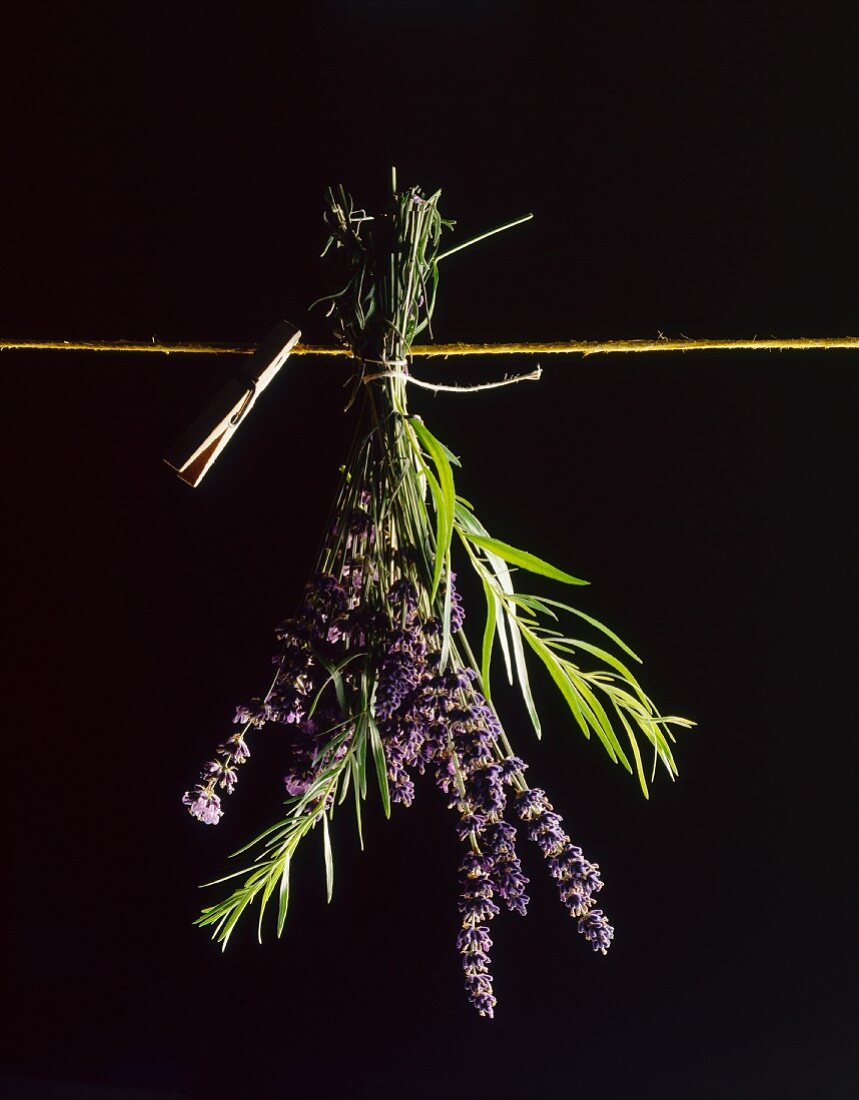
x=266, y=894
x=574, y=644
x=502, y=631
x=595, y=623
x=329, y=857
x=444, y=497
x=534, y=603
x=226, y=878
x=445, y=619
x=438, y=504
x=466, y=525
x=334, y=670
x=284, y=896
x=501, y=627
x=360, y=757
x=482, y=237
x=515, y=629
x=633, y=744
x=238, y=909
x=356, y=789
x=489, y=631
x=451, y=457
x=345, y=783
x=278, y=825
x=586, y=709
x=381, y=766
x=602, y=725
x=523, y=559
x=558, y=674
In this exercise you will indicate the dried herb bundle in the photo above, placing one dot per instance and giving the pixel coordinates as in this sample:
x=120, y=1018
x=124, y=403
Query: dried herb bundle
x=374, y=671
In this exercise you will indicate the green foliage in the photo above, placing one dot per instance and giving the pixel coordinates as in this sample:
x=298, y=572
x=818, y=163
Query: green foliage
x=525, y=616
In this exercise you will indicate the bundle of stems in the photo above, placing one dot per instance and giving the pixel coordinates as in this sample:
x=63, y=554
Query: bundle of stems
x=375, y=672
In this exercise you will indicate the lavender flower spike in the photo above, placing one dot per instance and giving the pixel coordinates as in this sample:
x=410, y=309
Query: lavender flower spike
x=474, y=943
x=578, y=879
x=202, y=802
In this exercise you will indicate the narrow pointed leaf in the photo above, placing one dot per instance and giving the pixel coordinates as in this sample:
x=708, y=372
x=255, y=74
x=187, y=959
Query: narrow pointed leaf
x=329, y=858
x=445, y=617
x=603, y=727
x=595, y=623
x=524, y=559
x=489, y=631
x=613, y=662
x=356, y=789
x=266, y=894
x=445, y=501
x=283, y=896
x=381, y=766
x=438, y=504
x=633, y=744
x=522, y=671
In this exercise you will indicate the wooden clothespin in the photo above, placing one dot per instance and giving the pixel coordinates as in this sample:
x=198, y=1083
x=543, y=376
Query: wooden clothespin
x=196, y=450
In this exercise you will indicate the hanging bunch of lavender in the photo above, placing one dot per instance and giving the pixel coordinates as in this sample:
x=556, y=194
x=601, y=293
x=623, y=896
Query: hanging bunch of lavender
x=374, y=670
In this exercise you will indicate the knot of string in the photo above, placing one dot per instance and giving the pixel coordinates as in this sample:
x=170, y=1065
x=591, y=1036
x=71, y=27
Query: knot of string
x=387, y=363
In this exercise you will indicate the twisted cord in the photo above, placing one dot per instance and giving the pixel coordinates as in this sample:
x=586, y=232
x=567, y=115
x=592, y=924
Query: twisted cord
x=558, y=347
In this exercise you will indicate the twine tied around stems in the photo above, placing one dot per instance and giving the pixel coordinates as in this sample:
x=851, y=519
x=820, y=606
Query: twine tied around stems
x=436, y=387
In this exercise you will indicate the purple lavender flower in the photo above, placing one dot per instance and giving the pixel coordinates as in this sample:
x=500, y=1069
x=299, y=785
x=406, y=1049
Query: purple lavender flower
x=404, y=650
x=251, y=714
x=311, y=748
x=474, y=944
x=241, y=752
x=578, y=880
x=479, y=988
x=474, y=864
x=398, y=675
x=510, y=883
x=222, y=772
x=360, y=525
x=457, y=611
x=400, y=786
x=500, y=863
x=445, y=774
x=203, y=804
x=474, y=938
x=297, y=785
x=403, y=598
x=596, y=930
x=531, y=803
x=224, y=775
x=461, y=678
x=475, y=902
x=470, y=823
x=500, y=838
x=472, y=741
x=512, y=767
x=321, y=624
x=485, y=790
x=546, y=832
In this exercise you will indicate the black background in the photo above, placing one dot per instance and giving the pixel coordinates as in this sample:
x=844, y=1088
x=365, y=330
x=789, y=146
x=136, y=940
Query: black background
x=692, y=169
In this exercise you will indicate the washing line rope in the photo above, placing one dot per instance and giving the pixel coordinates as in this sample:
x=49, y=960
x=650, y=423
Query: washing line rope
x=584, y=348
